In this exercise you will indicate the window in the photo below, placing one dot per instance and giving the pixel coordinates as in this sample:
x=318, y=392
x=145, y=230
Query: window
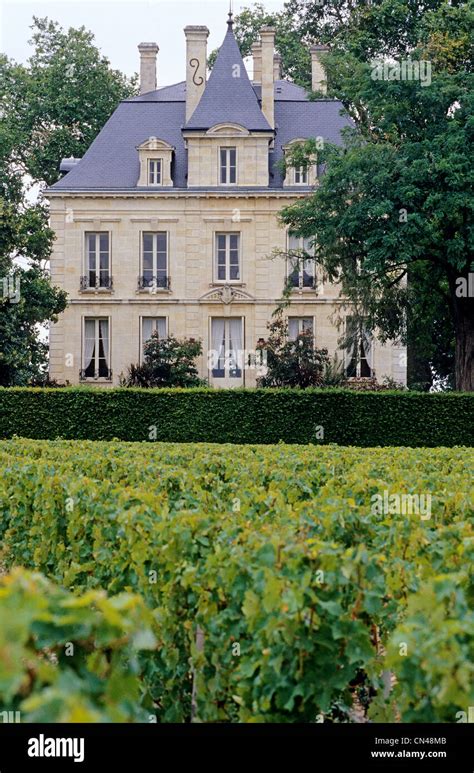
x=228, y=166
x=154, y=260
x=301, y=269
x=227, y=350
x=97, y=261
x=359, y=351
x=301, y=175
x=95, y=354
x=154, y=171
x=228, y=257
x=299, y=325
x=151, y=325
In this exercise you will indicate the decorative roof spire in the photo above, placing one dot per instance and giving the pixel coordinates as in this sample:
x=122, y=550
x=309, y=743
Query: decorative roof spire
x=230, y=20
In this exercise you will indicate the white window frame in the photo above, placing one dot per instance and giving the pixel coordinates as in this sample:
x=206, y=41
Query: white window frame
x=153, y=287
x=227, y=235
x=227, y=167
x=97, y=321
x=226, y=380
x=141, y=338
x=155, y=169
x=87, y=269
x=301, y=175
x=301, y=267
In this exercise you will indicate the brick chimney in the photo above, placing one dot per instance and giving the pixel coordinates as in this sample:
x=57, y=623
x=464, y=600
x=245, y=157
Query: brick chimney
x=267, y=36
x=257, y=62
x=318, y=75
x=196, y=64
x=148, y=52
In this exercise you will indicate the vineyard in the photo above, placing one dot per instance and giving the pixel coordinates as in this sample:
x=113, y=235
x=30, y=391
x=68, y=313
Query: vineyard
x=170, y=583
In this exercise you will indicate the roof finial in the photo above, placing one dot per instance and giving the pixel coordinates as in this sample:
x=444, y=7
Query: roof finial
x=230, y=20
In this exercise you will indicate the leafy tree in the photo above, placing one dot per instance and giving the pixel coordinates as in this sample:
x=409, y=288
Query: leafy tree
x=396, y=203
x=63, y=97
x=291, y=363
x=168, y=362
x=51, y=108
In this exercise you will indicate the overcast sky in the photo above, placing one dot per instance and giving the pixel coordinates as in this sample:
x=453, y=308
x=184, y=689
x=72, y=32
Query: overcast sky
x=119, y=25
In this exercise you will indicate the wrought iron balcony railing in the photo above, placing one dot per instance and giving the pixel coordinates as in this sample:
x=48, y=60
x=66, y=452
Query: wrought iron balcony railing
x=89, y=282
x=154, y=282
x=104, y=373
x=302, y=280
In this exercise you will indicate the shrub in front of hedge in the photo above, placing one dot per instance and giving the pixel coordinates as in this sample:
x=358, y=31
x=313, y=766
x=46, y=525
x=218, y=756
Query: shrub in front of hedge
x=324, y=416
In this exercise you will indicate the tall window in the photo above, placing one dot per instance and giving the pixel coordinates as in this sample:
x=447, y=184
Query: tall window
x=227, y=350
x=358, y=354
x=95, y=355
x=300, y=269
x=299, y=325
x=152, y=325
x=97, y=260
x=155, y=260
x=228, y=257
x=228, y=166
x=154, y=171
x=301, y=175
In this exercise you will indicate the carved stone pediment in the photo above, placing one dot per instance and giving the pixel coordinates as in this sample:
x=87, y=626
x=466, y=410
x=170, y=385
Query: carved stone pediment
x=226, y=294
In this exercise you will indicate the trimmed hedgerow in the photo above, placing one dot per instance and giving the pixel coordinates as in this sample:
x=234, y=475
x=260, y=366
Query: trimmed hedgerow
x=318, y=416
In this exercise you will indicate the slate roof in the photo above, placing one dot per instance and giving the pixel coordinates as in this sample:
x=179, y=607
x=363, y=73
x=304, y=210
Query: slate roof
x=229, y=96
x=111, y=162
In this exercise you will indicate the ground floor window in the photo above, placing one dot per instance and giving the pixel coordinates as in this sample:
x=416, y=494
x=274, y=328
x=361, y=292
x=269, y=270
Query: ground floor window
x=152, y=325
x=299, y=325
x=359, y=351
x=95, y=354
x=226, y=348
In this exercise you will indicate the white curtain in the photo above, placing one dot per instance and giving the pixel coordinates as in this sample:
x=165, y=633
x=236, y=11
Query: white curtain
x=293, y=328
x=147, y=328
x=161, y=326
x=367, y=339
x=217, y=340
x=104, y=334
x=235, y=331
x=89, y=341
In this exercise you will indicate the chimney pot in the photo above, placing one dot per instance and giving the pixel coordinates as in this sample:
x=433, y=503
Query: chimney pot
x=148, y=53
x=318, y=75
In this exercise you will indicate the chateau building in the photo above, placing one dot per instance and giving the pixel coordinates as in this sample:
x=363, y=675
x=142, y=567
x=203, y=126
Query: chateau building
x=169, y=222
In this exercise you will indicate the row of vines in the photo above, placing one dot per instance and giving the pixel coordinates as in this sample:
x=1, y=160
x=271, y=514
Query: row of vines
x=236, y=583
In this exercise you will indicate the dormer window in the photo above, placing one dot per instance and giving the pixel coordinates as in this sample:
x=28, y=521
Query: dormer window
x=155, y=158
x=155, y=171
x=228, y=165
x=304, y=174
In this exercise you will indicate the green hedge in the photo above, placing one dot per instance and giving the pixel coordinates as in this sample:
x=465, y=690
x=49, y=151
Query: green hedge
x=239, y=416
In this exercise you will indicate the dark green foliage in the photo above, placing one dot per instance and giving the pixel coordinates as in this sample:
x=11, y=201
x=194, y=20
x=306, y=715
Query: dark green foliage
x=296, y=363
x=273, y=551
x=240, y=415
x=168, y=362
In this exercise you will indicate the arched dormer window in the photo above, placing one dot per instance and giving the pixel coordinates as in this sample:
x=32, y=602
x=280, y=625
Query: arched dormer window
x=155, y=163
x=299, y=175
